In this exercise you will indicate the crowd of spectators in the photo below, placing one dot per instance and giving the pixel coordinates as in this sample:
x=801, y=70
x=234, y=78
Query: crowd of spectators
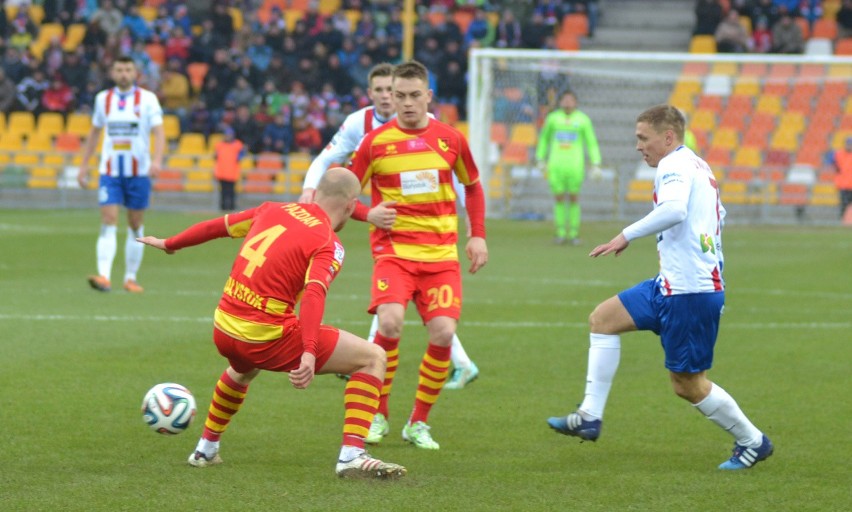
x=280, y=89
x=773, y=23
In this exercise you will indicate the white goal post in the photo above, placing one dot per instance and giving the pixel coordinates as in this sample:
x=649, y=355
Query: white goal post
x=787, y=97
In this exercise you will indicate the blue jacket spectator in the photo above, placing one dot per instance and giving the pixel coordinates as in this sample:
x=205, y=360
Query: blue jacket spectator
x=138, y=25
x=278, y=135
x=259, y=53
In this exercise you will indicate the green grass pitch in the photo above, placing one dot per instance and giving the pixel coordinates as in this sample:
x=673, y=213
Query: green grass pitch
x=76, y=364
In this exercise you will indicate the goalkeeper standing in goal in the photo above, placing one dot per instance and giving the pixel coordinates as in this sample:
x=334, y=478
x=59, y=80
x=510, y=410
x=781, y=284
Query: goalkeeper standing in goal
x=560, y=153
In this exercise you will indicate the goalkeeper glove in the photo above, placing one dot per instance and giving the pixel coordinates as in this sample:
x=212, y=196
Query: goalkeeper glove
x=596, y=173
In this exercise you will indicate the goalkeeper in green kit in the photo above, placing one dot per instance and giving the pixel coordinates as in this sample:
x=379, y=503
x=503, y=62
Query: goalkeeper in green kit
x=560, y=152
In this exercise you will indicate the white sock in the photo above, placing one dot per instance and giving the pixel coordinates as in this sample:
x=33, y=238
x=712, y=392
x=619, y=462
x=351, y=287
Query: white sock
x=374, y=328
x=208, y=448
x=458, y=355
x=348, y=453
x=604, y=355
x=106, y=248
x=133, y=251
x=722, y=409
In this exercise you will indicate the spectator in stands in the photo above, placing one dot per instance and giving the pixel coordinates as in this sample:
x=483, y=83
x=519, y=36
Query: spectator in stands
x=348, y=53
x=205, y=43
x=843, y=180
x=199, y=118
x=58, y=97
x=358, y=72
x=534, y=31
x=30, y=91
x=844, y=20
x=708, y=15
x=247, y=129
x=53, y=56
x=220, y=69
x=223, y=22
x=479, y=30
x=761, y=37
x=270, y=101
x=329, y=37
x=74, y=72
x=430, y=54
x=164, y=23
x=365, y=27
x=508, y=32
x=338, y=76
x=178, y=45
x=731, y=36
x=175, y=90
x=247, y=69
x=138, y=26
x=258, y=53
x=278, y=136
x=108, y=16
x=181, y=19
x=94, y=41
x=308, y=73
x=394, y=29
x=229, y=152
x=20, y=38
x=766, y=10
x=810, y=10
x=8, y=92
x=306, y=137
x=787, y=36
x=790, y=6
x=14, y=67
x=551, y=10
x=591, y=10
x=452, y=86
x=241, y=95
x=86, y=97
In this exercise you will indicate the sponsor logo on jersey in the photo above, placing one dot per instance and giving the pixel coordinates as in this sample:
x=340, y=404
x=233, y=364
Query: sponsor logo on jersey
x=419, y=182
x=417, y=144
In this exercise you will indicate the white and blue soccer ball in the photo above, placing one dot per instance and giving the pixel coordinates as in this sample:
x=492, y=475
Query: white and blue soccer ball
x=168, y=408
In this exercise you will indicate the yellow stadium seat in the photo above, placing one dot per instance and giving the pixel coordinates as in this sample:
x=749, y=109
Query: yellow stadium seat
x=74, y=36
x=298, y=162
x=793, y=121
x=734, y=192
x=640, y=191
x=747, y=157
x=50, y=123
x=2, y=122
x=824, y=194
x=725, y=138
x=523, y=133
x=703, y=120
x=353, y=15
x=79, y=124
x=785, y=140
x=838, y=139
x=56, y=159
x=205, y=163
x=214, y=139
x=11, y=141
x=180, y=162
x=26, y=159
x=768, y=105
x=462, y=126
x=21, y=122
x=39, y=142
x=237, y=17
x=36, y=13
x=148, y=12
x=192, y=144
x=199, y=175
x=685, y=102
x=48, y=31
x=171, y=127
x=291, y=16
x=44, y=172
x=687, y=86
x=702, y=44
x=725, y=68
x=329, y=7
x=746, y=86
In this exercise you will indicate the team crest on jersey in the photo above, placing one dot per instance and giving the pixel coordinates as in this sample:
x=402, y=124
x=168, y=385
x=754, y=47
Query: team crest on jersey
x=444, y=144
x=382, y=284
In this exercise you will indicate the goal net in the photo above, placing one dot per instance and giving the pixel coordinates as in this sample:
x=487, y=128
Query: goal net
x=766, y=124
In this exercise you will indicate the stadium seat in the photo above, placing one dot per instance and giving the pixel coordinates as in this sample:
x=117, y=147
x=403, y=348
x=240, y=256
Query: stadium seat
x=818, y=46
x=804, y=26
x=191, y=144
x=687, y=86
x=733, y=120
x=824, y=28
x=776, y=88
x=148, y=12
x=74, y=36
x=50, y=123
x=196, y=72
x=68, y=142
x=171, y=127
x=2, y=122
x=26, y=159
x=641, y=191
x=463, y=18
x=843, y=46
x=839, y=138
x=702, y=44
x=169, y=180
x=725, y=138
x=753, y=69
x=747, y=157
x=21, y=122
x=824, y=194
x=213, y=139
x=448, y=113
x=79, y=124
x=768, y=105
x=718, y=157
x=793, y=194
x=783, y=71
x=740, y=174
x=39, y=142
x=524, y=133
x=568, y=42
x=516, y=153
x=269, y=161
x=746, y=86
x=462, y=126
x=725, y=69
x=291, y=16
x=236, y=17
x=703, y=120
x=180, y=163
x=329, y=7
x=793, y=121
x=802, y=174
x=800, y=103
x=157, y=53
x=734, y=192
x=205, y=163
x=740, y=103
x=36, y=13
x=499, y=133
x=777, y=158
x=710, y=102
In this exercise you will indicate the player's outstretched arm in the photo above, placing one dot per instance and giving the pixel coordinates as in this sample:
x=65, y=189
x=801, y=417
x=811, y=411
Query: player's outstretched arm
x=156, y=243
x=477, y=253
x=616, y=245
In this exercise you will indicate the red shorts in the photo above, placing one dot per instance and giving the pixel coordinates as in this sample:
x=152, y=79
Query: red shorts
x=434, y=287
x=281, y=355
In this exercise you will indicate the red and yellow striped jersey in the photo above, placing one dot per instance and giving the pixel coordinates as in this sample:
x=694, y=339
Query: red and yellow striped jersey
x=415, y=169
x=287, y=246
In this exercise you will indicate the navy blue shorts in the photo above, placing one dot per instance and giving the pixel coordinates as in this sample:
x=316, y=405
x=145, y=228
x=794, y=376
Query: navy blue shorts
x=131, y=192
x=687, y=324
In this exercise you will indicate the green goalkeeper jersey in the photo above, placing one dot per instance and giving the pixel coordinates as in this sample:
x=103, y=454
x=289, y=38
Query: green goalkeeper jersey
x=562, y=139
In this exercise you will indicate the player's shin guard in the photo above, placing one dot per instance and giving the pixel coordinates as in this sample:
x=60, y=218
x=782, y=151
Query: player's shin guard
x=391, y=346
x=228, y=397
x=360, y=402
x=433, y=373
x=133, y=251
x=604, y=356
x=106, y=249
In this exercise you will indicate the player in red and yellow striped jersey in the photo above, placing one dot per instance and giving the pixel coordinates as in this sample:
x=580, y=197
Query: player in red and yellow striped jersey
x=291, y=254
x=409, y=163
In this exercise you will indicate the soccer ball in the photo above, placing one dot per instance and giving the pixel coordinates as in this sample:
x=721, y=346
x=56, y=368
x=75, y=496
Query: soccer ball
x=168, y=408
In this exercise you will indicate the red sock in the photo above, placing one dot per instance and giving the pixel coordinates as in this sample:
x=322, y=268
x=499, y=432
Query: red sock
x=391, y=346
x=228, y=397
x=433, y=372
x=360, y=401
